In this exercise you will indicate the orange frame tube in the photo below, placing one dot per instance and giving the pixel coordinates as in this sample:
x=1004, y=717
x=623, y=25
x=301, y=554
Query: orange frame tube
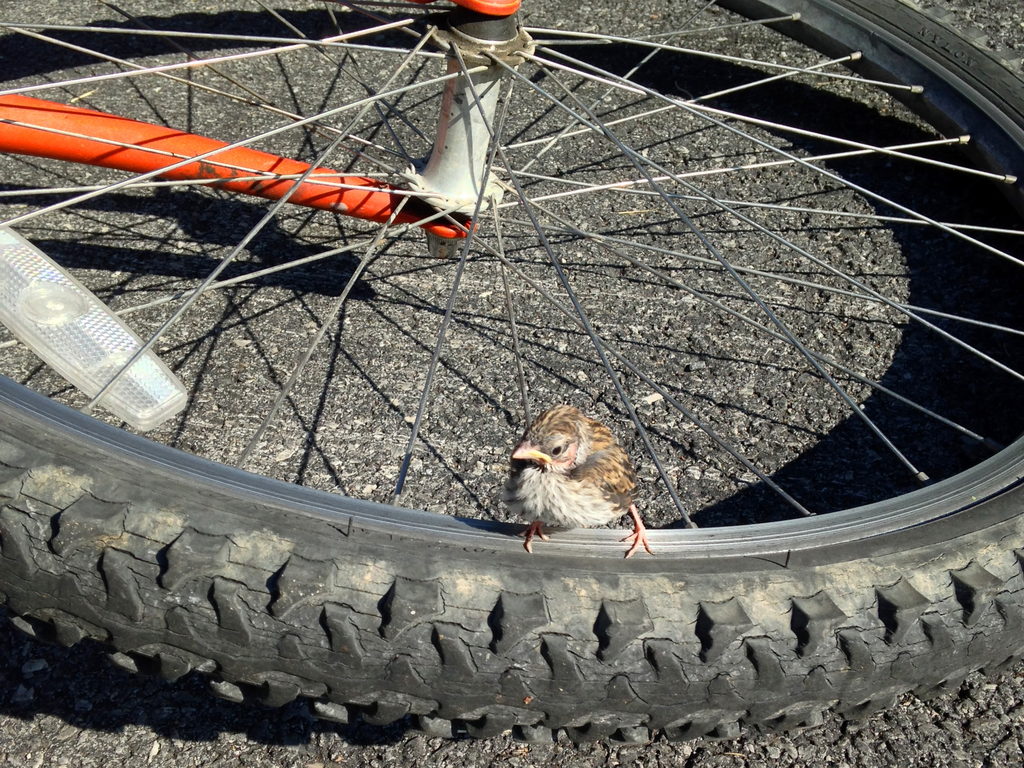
x=370, y=199
x=488, y=7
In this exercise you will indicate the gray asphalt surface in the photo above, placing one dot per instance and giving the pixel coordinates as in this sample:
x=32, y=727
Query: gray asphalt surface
x=72, y=708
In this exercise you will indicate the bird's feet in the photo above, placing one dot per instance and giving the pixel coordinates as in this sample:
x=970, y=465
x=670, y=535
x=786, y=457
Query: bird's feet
x=639, y=534
x=536, y=528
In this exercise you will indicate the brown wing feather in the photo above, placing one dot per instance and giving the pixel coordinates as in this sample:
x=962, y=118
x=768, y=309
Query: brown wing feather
x=607, y=467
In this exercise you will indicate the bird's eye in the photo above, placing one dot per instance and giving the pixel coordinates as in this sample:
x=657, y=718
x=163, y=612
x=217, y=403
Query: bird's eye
x=556, y=450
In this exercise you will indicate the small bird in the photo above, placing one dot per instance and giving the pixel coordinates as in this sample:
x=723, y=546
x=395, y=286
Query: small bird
x=568, y=470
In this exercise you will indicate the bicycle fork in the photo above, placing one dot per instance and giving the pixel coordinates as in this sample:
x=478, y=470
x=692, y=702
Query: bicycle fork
x=456, y=176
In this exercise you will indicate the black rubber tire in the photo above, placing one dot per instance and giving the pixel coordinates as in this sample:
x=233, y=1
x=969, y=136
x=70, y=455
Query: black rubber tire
x=279, y=592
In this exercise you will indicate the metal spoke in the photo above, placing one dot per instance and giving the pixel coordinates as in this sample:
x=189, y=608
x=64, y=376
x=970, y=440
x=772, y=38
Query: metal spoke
x=217, y=284
x=573, y=249
x=660, y=389
x=788, y=72
x=332, y=315
x=241, y=143
x=182, y=49
x=599, y=347
x=705, y=112
x=689, y=414
x=629, y=187
x=267, y=218
x=775, y=276
x=319, y=179
x=594, y=338
x=396, y=231
x=641, y=164
x=1003, y=178
x=248, y=101
x=728, y=25
x=598, y=39
x=336, y=41
x=725, y=57
x=814, y=69
x=510, y=312
x=432, y=369
x=584, y=38
x=812, y=359
x=190, y=64
x=354, y=77
x=190, y=300
x=494, y=138
x=360, y=8
x=467, y=243
x=568, y=133
x=612, y=245
x=405, y=7
x=633, y=70
x=864, y=149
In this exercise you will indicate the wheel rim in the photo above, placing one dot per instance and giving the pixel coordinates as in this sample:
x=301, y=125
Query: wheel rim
x=594, y=266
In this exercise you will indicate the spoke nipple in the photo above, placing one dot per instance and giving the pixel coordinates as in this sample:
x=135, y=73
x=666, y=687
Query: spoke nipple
x=856, y=56
x=922, y=478
x=1010, y=179
x=795, y=17
x=965, y=138
x=917, y=89
x=992, y=445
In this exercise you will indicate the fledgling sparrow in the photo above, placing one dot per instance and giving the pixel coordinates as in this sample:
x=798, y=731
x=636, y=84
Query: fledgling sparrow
x=569, y=471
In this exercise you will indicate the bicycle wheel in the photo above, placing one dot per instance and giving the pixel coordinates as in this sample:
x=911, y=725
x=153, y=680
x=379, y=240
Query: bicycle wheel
x=773, y=251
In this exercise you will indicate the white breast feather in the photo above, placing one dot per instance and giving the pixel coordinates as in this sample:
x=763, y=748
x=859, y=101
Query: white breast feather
x=545, y=496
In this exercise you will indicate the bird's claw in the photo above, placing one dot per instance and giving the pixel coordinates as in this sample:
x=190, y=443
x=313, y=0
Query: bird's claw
x=536, y=528
x=639, y=540
x=639, y=534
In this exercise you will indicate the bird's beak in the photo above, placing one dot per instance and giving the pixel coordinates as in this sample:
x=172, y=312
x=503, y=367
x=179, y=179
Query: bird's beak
x=526, y=452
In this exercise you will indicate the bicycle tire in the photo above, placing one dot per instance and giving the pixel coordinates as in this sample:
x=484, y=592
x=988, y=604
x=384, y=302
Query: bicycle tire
x=279, y=592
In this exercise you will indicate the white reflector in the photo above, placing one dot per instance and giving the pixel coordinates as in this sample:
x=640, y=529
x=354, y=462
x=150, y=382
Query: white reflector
x=80, y=338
